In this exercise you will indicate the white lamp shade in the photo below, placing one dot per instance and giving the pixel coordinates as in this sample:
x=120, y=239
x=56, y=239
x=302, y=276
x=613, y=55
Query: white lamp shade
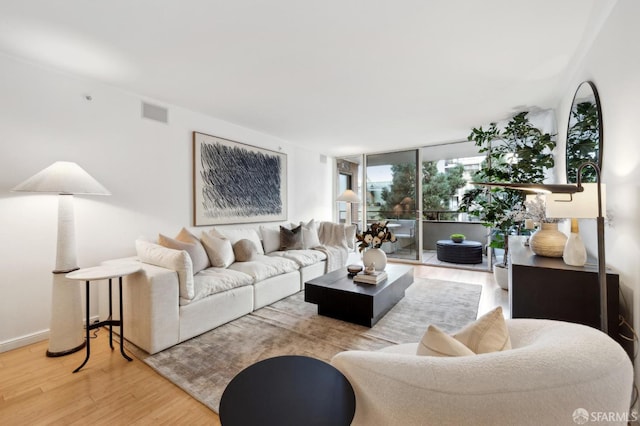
x=581, y=205
x=63, y=177
x=349, y=196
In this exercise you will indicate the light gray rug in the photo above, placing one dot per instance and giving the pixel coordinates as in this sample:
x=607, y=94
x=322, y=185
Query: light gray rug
x=204, y=365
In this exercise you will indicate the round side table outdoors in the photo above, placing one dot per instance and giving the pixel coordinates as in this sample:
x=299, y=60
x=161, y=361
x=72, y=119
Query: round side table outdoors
x=466, y=252
x=288, y=390
x=104, y=272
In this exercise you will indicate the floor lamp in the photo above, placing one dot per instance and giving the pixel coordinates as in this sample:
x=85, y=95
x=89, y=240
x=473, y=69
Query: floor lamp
x=66, y=179
x=349, y=197
x=575, y=199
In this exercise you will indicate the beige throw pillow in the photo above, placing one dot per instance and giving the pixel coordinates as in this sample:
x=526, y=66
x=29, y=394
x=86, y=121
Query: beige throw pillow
x=245, y=251
x=436, y=342
x=219, y=250
x=189, y=243
x=488, y=333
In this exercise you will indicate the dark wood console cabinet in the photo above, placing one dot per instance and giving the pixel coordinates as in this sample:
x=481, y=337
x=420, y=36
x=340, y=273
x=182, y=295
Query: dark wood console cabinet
x=543, y=287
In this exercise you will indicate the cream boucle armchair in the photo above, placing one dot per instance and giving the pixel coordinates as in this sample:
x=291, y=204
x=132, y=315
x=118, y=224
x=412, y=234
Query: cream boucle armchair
x=554, y=369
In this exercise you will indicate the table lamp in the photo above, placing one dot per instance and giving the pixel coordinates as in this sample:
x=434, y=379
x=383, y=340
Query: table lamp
x=349, y=197
x=66, y=179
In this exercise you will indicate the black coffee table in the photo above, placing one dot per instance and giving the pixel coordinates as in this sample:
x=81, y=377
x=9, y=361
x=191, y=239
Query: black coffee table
x=337, y=296
x=288, y=390
x=466, y=252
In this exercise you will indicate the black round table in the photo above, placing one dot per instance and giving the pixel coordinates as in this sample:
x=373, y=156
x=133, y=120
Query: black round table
x=466, y=252
x=288, y=390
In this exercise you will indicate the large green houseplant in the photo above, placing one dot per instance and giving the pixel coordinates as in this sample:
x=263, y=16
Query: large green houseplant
x=519, y=153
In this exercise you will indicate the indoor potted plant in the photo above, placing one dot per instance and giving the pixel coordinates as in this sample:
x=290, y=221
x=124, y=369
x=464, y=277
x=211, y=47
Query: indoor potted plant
x=519, y=153
x=457, y=238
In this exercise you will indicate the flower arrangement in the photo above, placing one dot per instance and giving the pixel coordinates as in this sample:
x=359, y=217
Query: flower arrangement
x=536, y=210
x=376, y=234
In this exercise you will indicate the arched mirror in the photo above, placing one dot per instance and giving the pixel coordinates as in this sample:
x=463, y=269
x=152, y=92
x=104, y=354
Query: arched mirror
x=584, y=133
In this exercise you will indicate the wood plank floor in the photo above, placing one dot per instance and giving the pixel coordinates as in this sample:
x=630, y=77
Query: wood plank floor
x=36, y=390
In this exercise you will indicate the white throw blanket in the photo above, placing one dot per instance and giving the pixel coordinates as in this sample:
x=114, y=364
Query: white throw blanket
x=334, y=244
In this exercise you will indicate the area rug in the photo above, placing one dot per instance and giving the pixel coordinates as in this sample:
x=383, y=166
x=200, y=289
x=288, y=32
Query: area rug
x=204, y=365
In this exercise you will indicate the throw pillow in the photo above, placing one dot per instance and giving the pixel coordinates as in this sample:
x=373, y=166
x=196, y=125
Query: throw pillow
x=235, y=235
x=310, y=237
x=488, y=333
x=219, y=250
x=436, y=342
x=176, y=260
x=245, y=251
x=270, y=238
x=189, y=243
x=350, y=236
x=291, y=239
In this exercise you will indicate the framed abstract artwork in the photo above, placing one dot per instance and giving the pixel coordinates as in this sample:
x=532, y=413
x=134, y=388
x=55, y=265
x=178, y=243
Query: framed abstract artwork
x=237, y=183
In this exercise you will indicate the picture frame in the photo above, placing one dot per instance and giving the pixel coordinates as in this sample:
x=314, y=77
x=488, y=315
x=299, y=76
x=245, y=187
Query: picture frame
x=237, y=183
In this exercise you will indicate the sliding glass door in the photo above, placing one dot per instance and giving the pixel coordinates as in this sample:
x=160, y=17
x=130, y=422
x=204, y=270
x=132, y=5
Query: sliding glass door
x=393, y=195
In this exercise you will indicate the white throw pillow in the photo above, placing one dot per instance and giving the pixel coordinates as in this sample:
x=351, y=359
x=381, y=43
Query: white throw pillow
x=176, y=260
x=350, y=235
x=236, y=235
x=219, y=250
x=488, y=333
x=189, y=243
x=270, y=238
x=436, y=342
x=310, y=237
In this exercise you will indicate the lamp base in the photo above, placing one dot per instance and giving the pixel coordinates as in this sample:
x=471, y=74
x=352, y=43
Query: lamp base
x=67, y=352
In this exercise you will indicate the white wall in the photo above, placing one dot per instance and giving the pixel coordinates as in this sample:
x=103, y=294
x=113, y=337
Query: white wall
x=613, y=64
x=44, y=117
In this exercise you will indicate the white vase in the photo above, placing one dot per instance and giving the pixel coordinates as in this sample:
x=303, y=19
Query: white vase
x=548, y=241
x=575, y=253
x=375, y=256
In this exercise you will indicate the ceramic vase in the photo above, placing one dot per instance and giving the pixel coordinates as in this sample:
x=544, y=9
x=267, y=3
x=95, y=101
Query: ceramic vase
x=575, y=253
x=548, y=241
x=375, y=256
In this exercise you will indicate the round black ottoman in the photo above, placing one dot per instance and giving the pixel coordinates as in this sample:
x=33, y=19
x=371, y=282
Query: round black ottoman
x=466, y=252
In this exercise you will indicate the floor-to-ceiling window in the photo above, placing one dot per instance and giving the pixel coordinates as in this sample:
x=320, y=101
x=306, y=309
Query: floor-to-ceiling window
x=393, y=195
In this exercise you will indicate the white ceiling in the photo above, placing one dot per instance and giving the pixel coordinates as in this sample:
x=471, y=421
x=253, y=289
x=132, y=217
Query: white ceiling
x=340, y=76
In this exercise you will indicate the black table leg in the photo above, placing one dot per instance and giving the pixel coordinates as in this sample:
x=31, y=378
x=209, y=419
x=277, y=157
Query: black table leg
x=87, y=328
x=110, y=317
x=122, y=324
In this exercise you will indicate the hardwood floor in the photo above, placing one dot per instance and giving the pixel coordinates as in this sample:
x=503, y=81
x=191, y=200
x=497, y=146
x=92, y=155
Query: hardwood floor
x=36, y=390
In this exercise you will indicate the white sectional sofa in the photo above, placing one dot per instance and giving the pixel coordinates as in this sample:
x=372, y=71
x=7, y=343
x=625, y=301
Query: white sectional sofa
x=167, y=303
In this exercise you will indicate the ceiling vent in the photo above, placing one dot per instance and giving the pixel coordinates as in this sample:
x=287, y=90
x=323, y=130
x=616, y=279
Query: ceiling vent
x=155, y=112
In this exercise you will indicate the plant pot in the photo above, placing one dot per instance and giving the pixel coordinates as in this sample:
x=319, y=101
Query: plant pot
x=501, y=275
x=548, y=241
x=375, y=256
x=457, y=240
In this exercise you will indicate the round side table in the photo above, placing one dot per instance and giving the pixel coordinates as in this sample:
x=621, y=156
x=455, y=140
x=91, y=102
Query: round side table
x=104, y=272
x=288, y=390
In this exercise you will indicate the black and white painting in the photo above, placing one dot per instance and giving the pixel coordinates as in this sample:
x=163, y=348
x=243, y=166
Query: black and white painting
x=237, y=183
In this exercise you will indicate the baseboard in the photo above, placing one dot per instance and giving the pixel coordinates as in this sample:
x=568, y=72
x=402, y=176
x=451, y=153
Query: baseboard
x=29, y=339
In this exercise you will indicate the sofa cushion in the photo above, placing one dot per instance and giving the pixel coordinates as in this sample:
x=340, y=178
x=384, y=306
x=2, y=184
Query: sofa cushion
x=310, y=237
x=270, y=238
x=216, y=280
x=487, y=334
x=301, y=257
x=291, y=239
x=176, y=260
x=219, y=250
x=236, y=235
x=244, y=250
x=189, y=243
x=263, y=267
